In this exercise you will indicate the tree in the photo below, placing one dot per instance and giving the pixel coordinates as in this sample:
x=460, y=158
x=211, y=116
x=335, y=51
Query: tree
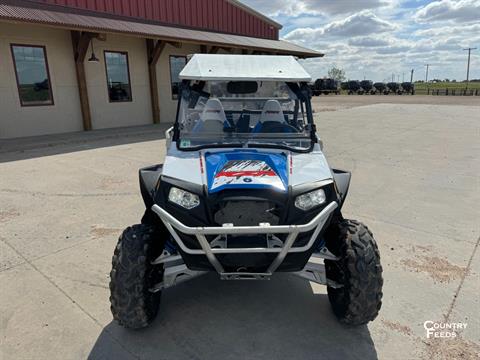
x=336, y=74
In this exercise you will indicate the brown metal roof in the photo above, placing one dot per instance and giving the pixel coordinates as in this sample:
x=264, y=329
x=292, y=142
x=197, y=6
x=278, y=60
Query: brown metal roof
x=105, y=25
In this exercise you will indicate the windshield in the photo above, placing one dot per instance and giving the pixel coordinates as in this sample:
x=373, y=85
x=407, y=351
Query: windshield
x=242, y=114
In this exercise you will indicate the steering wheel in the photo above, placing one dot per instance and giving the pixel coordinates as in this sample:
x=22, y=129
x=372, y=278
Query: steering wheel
x=277, y=127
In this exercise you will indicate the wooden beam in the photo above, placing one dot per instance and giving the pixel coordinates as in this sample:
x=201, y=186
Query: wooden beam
x=101, y=36
x=175, y=44
x=154, y=50
x=80, y=43
x=214, y=50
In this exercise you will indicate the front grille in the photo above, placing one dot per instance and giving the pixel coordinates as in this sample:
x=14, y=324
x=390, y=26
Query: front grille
x=246, y=213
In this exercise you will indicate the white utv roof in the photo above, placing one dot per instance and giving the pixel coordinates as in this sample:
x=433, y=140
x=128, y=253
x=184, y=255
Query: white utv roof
x=244, y=67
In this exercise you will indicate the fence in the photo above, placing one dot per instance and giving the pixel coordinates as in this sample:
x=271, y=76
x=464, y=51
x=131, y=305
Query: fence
x=447, y=91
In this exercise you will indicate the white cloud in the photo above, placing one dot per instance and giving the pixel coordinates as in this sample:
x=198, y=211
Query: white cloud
x=362, y=23
x=342, y=7
x=458, y=11
x=368, y=41
x=313, y=7
x=463, y=30
x=375, y=38
x=393, y=49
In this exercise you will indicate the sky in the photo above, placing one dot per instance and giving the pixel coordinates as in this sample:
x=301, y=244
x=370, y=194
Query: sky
x=373, y=39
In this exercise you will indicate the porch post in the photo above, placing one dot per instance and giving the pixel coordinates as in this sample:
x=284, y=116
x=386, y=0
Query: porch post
x=154, y=50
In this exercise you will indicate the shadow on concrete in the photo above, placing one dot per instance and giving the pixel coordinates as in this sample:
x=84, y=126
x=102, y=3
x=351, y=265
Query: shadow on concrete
x=212, y=319
x=38, y=146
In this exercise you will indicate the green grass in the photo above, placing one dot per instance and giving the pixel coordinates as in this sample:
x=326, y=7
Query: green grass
x=447, y=85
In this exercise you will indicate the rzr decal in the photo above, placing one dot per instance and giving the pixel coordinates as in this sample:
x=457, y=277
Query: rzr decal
x=252, y=172
x=246, y=169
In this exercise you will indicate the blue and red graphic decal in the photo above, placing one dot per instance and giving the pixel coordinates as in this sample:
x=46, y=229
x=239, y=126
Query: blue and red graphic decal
x=246, y=169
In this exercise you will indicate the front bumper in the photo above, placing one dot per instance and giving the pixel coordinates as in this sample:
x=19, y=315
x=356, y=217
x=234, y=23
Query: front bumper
x=282, y=250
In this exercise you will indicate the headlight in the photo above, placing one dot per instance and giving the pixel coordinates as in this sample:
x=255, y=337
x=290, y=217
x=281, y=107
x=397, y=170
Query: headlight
x=310, y=200
x=183, y=198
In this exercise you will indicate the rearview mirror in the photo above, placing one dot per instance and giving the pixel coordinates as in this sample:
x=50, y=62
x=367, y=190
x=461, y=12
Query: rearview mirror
x=242, y=87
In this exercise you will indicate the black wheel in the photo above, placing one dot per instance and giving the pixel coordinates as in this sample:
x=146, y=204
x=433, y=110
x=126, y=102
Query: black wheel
x=133, y=305
x=358, y=270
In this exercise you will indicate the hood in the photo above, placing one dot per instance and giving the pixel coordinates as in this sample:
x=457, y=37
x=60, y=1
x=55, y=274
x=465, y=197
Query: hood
x=240, y=169
x=246, y=168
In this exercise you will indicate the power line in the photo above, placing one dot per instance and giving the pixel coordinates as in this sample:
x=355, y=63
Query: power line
x=468, y=62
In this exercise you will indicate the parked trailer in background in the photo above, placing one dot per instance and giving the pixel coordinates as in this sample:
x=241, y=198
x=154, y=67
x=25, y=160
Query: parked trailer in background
x=325, y=86
x=367, y=86
x=354, y=87
x=380, y=88
x=394, y=88
x=408, y=88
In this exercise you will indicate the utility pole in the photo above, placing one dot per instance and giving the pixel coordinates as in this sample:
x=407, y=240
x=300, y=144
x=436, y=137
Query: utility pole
x=403, y=77
x=393, y=77
x=411, y=76
x=426, y=73
x=468, y=63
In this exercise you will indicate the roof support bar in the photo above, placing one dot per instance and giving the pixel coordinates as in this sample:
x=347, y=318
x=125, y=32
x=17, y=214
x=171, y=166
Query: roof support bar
x=154, y=50
x=80, y=42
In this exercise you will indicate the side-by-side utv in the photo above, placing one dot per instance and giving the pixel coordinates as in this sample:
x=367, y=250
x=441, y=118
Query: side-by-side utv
x=244, y=191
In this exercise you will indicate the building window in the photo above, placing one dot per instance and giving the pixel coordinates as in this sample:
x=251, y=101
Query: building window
x=177, y=63
x=33, y=78
x=118, y=76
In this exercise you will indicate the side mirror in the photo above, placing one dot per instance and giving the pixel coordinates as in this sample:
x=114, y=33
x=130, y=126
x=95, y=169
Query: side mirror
x=168, y=137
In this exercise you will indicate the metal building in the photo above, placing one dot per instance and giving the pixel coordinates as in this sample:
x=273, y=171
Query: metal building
x=72, y=65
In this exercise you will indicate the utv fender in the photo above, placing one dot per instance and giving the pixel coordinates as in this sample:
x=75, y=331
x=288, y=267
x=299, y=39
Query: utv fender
x=149, y=177
x=342, y=182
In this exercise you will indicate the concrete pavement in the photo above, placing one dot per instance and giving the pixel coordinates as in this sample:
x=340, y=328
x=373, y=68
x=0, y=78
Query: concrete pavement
x=415, y=182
